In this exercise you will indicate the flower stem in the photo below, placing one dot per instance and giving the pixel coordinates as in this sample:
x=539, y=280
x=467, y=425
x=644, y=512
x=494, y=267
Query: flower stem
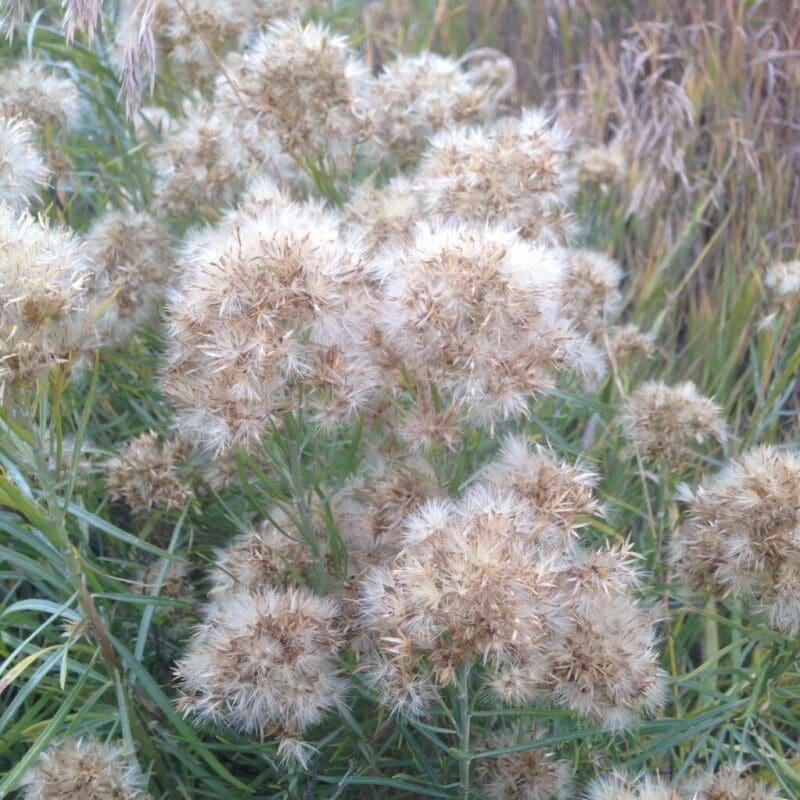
x=464, y=718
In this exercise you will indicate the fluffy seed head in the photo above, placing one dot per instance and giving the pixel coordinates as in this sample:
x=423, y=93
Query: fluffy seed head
x=626, y=341
x=264, y=662
x=473, y=582
x=417, y=95
x=605, y=666
x=200, y=165
x=527, y=775
x=183, y=40
x=269, y=305
x=22, y=169
x=43, y=310
x=271, y=555
x=84, y=768
x=618, y=786
x=742, y=534
x=671, y=422
x=478, y=312
x=783, y=282
x=602, y=167
x=147, y=475
x=513, y=173
x=134, y=262
x=32, y=91
x=386, y=215
x=559, y=492
x=593, y=288
x=730, y=784
x=378, y=504
x=303, y=83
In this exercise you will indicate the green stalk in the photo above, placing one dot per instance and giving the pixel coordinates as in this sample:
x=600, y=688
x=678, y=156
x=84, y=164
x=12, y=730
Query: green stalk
x=464, y=719
x=711, y=641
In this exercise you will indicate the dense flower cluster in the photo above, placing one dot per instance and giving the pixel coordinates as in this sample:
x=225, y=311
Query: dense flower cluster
x=378, y=261
x=270, y=305
x=32, y=91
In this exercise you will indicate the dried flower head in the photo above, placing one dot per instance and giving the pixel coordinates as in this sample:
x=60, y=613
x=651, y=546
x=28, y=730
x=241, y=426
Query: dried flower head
x=301, y=82
x=264, y=662
x=525, y=775
x=474, y=582
x=594, y=288
x=403, y=681
x=425, y=421
x=84, y=768
x=561, y=493
x=269, y=306
x=22, y=168
x=386, y=215
x=417, y=95
x=625, y=341
x=783, y=282
x=512, y=173
x=134, y=263
x=742, y=534
x=273, y=554
x=201, y=165
x=602, y=167
x=618, y=786
x=378, y=503
x=191, y=39
x=593, y=577
x=478, y=312
x=147, y=474
x=729, y=784
x=671, y=422
x=605, y=666
x=33, y=91
x=43, y=311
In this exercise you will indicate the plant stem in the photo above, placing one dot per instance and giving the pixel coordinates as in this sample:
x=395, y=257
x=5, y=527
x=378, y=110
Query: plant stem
x=464, y=718
x=319, y=576
x=711, y=631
